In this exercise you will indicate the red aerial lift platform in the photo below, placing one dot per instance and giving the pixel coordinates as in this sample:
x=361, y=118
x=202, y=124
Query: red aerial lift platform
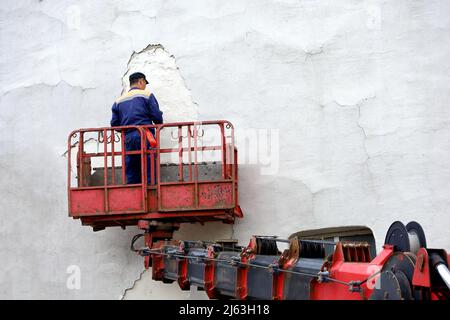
x=195, y=171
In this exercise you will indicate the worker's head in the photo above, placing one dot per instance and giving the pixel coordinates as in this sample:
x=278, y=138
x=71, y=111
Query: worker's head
x=138, y=80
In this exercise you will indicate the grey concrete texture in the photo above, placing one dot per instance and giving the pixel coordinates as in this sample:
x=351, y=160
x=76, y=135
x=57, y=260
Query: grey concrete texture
x=352, y=97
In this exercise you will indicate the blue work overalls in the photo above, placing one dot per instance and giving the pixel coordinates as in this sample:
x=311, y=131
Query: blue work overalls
x=136, y=107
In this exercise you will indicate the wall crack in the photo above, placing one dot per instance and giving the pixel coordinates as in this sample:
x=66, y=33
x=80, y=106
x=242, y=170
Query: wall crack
x=133, y=285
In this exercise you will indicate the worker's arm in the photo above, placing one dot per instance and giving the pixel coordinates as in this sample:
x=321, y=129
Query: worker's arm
x=115, y=120
x=155, y=114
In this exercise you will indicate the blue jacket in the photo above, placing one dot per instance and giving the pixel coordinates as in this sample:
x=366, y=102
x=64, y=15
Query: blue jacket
x=136, y=107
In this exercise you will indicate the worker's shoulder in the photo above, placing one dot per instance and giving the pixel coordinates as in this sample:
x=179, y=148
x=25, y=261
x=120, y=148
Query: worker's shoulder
x=133, y=94
x=138, y=92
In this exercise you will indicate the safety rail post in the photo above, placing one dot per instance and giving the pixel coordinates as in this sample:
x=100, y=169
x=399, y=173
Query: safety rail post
x=229, y=165
x=180, y=154
x=195, y=166
x=80, y=158
x=69, y=171
x=223, y=142
x=124, y=177
x=143, y=167
x=113, y=171
x=152, y=166
x=158, y=167
x=189, y=153
x=151, y=153
x=233, y=172
x=105, y=172
x=234, y=175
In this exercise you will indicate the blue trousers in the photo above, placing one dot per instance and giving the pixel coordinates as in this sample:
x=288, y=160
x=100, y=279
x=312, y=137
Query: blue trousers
x=133, y=161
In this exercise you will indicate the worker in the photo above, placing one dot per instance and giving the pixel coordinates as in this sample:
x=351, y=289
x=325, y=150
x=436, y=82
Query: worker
x=137, y=107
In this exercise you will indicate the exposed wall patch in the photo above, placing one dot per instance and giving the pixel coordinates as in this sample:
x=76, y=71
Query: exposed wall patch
x=165, y=81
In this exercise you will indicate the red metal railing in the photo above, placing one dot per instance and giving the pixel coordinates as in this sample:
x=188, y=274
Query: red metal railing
x=192, y=137
x=94, y=197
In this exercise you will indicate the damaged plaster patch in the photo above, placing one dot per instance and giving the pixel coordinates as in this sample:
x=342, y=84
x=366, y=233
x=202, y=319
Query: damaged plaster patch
x=165, y=82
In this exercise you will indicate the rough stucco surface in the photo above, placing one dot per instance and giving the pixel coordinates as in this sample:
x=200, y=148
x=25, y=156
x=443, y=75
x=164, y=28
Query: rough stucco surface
x=357, y=92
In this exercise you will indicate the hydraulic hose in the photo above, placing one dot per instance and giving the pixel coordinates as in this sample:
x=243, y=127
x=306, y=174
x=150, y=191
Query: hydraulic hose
x=438, y=263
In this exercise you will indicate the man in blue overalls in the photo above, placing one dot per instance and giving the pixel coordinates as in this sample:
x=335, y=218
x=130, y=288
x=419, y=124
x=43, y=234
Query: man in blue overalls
x=136, y=107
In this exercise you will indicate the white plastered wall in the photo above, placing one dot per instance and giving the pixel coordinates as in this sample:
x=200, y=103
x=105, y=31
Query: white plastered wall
x=353, y=95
